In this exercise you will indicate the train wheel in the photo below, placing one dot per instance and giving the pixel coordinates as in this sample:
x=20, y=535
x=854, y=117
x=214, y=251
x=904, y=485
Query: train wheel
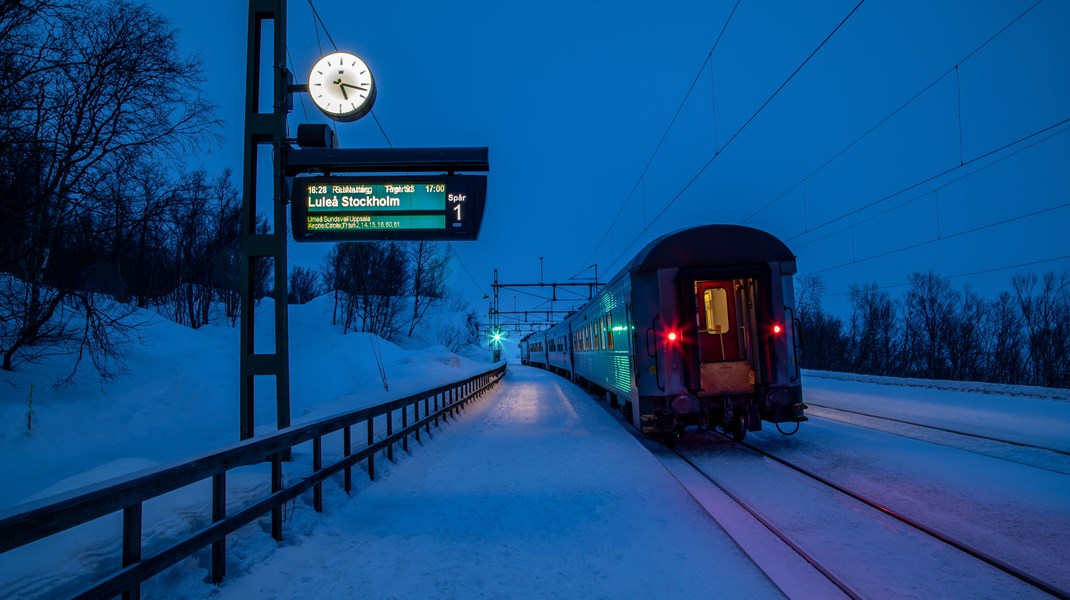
x=669, y=438
x=739, y=427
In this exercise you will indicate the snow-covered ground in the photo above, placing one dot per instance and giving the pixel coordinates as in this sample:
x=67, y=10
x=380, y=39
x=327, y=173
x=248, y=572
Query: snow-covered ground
x=179, y=397
x=1032, y=415
x=534, y=492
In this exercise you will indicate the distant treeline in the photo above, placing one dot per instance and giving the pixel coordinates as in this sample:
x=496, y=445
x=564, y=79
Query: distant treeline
x=935, y=331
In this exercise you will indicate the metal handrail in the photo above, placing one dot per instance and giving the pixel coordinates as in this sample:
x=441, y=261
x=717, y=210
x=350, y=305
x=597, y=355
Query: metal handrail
x=26, y=523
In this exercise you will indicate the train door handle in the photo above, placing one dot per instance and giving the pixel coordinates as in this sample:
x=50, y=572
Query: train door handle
x=652, y=330
x=657, y=372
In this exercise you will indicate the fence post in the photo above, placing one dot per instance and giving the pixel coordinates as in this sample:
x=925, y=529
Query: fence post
x=347, y=441
x=371, y=440
x=427, y=413
x=390, y=432
x=317, y=464
x=276, y=485
x=132, y=544
x=416, y=418
x=219, y=511
x=404, y=426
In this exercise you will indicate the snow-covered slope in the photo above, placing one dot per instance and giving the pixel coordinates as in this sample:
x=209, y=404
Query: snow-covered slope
x=179, y=396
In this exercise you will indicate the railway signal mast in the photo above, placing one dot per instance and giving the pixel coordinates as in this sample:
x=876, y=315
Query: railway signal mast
x=534, y=319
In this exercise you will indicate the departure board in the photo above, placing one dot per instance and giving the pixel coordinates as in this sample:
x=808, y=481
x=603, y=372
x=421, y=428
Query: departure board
x=445, y=207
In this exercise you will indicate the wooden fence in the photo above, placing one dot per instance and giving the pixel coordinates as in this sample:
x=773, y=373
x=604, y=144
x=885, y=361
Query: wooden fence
x=21, y=525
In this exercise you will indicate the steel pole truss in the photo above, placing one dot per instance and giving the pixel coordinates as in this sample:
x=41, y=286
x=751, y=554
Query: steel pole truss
x=387, y=160
x=264, y=129
x=546, y=316
x=590, y=285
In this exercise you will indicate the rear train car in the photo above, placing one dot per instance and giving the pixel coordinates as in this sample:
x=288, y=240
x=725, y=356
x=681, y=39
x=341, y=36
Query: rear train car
x=698, y=330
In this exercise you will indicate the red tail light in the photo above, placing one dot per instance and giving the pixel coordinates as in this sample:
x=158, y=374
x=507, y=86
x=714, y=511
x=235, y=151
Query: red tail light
x=777, y=329
x=671, y=336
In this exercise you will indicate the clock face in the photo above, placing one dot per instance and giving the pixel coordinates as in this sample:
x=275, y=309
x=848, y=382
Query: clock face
x=342, y=86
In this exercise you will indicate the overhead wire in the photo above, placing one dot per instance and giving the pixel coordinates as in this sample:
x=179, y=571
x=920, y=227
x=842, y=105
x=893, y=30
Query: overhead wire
x=293, y=69
x=962, y=164
x=933, y=177
x=942, y=238
x=466, y=270
x=718, y=152
x=316, y=16
x=664, y=134
x=936, y=189
x=953, y=69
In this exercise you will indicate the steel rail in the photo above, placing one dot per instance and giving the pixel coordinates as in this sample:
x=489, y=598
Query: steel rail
x=644, y=440
x=944, y=429
x=836, y=581
x=954, y=543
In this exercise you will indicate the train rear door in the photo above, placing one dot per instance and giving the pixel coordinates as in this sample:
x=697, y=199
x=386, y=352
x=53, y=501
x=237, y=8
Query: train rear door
x=723, y=338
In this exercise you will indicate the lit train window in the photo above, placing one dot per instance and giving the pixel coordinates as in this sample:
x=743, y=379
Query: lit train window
x=609, y=332
x=716, y=303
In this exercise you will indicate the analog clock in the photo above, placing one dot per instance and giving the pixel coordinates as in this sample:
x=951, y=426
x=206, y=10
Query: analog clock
x=342, y=86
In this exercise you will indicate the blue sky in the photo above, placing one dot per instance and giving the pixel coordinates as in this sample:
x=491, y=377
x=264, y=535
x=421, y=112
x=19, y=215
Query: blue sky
x=572, y=98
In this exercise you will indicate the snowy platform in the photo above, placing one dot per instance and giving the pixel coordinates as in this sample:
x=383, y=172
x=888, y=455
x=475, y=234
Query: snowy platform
x=536, y=492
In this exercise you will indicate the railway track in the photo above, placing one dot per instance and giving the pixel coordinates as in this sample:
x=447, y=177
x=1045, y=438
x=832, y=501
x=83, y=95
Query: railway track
x=1023, y=453
x=811, y=543
x=841, y=583
x=938, y=428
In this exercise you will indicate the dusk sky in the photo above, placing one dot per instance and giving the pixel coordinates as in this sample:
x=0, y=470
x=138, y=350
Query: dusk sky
x=969, y=178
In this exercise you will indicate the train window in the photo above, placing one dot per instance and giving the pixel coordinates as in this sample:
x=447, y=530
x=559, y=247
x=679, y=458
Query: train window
x=715, y=301
x=609, y=332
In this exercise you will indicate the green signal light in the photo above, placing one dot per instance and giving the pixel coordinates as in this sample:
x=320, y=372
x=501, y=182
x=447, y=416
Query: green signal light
x=497, y=337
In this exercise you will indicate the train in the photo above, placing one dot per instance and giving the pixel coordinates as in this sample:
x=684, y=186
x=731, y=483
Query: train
x=698, y=330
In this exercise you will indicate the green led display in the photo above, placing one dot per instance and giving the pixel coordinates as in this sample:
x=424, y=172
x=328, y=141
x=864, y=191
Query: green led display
x=331, y=209
x=376, y=197
x=364, y=222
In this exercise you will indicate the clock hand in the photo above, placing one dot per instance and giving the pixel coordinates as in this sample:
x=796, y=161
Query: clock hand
x=344, y=94
x=356, y=87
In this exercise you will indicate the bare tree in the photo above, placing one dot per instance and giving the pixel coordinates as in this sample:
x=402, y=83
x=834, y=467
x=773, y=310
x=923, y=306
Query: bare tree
x=930, y=303
x=966, y=338
x=369, y=278
x=824, y=344
x=1047, y=323
x=429, y=268
x=106, y=86
x=1005, y=350
x=304, y=285
x=873, y=343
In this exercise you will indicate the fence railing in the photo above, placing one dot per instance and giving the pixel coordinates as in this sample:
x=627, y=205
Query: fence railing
x=21, y=525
